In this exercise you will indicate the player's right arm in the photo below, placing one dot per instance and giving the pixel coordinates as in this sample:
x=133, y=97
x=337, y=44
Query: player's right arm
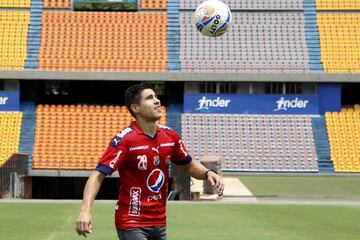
x=114, y=155
x=83, y=223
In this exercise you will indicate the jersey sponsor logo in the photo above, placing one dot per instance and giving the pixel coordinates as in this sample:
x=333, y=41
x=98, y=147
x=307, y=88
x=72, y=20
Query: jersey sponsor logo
x=135, y=201
x=155, y=180
x=170, y=144
x=155, y=149
x=156, y=160
x=116, y=142
x=142, y=164
x=163, y=127
x=182, y=148
x=154, y=197
x=120, y=136
x=114, y=161
x=138, y=148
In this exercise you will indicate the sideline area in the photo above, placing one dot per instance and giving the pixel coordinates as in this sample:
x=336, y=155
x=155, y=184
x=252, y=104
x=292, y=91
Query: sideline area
x=234, y=190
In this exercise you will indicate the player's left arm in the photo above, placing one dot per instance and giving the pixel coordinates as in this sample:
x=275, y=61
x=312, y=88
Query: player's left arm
x=193, y=168
x=198, y=171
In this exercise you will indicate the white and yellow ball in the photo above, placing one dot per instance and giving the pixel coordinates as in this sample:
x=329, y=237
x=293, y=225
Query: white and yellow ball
x=213, y=18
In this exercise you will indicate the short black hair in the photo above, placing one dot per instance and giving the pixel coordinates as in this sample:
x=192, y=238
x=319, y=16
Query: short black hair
x=133, y=95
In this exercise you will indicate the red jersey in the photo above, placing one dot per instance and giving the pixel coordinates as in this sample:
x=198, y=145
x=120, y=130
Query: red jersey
x=143, y=165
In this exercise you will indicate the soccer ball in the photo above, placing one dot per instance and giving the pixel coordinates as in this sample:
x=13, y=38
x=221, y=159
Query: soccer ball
x=213, y=18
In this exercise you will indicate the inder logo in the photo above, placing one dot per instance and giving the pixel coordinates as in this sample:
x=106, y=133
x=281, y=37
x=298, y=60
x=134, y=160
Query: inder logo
x=205, y=103
x=284, y=105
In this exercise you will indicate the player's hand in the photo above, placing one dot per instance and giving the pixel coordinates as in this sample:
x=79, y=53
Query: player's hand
x=83, y=223
x=217, y=181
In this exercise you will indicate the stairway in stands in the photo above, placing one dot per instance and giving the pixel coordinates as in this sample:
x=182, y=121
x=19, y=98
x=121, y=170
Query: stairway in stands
x=173, y=33
x=322, y=145
x=27, y=130
x=312, y=35
x=34, y=35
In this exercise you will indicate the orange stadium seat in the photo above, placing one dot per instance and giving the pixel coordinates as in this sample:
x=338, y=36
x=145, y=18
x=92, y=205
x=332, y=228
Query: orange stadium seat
x=153, y=4
x=75, y=136
x=57, y=4
x=97, y=41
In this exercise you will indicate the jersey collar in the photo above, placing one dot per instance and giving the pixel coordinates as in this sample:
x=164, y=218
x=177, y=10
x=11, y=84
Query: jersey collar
x=138, y=130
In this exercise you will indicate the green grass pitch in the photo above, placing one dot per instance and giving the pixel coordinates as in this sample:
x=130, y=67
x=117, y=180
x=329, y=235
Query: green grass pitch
x=193, y=221
x=307, y=186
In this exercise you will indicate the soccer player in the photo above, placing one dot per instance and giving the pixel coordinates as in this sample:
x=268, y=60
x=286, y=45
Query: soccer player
x=141, y=153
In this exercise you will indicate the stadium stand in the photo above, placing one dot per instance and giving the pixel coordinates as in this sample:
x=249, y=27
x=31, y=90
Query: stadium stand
x=65, y=4
x=15, y=3
x=99, y=41
x=344, y=137
x=173, y=38
x=340, y=48
x=259, y=42
x=75, y=136
x=251, y=5
x=153, y=5
x=27, y=136
x=33, y=43
x=312, y=36
x=261, y=143
x=10, y=124
x=14, y=26
x=337, y=5
x=322, y=146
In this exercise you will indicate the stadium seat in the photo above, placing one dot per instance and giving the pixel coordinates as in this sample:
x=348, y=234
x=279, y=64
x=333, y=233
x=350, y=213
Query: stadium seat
x=75, y=136
x=10, y=128
x=340, y=48
x=15, y=3
x=65, y=4
x=153, y=4
x=260, y=42
x=14, y=26
x=343, y=130
x=251, y=5
x=263, y=143
x=98, y=41
x=337, y=5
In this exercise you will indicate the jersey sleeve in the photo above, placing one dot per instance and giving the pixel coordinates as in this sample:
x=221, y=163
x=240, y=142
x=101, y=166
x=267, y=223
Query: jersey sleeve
x=180, y=155
x=114, y=155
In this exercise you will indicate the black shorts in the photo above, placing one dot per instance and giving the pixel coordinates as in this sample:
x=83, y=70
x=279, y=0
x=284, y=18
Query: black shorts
x=145, y=233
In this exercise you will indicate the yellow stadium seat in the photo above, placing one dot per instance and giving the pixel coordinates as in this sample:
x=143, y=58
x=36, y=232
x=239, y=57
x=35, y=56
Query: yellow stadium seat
x=10, y=127
x=343, y=138
x=337, y=5
x=13, y=48
x=338, y=37
x=15, y=3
